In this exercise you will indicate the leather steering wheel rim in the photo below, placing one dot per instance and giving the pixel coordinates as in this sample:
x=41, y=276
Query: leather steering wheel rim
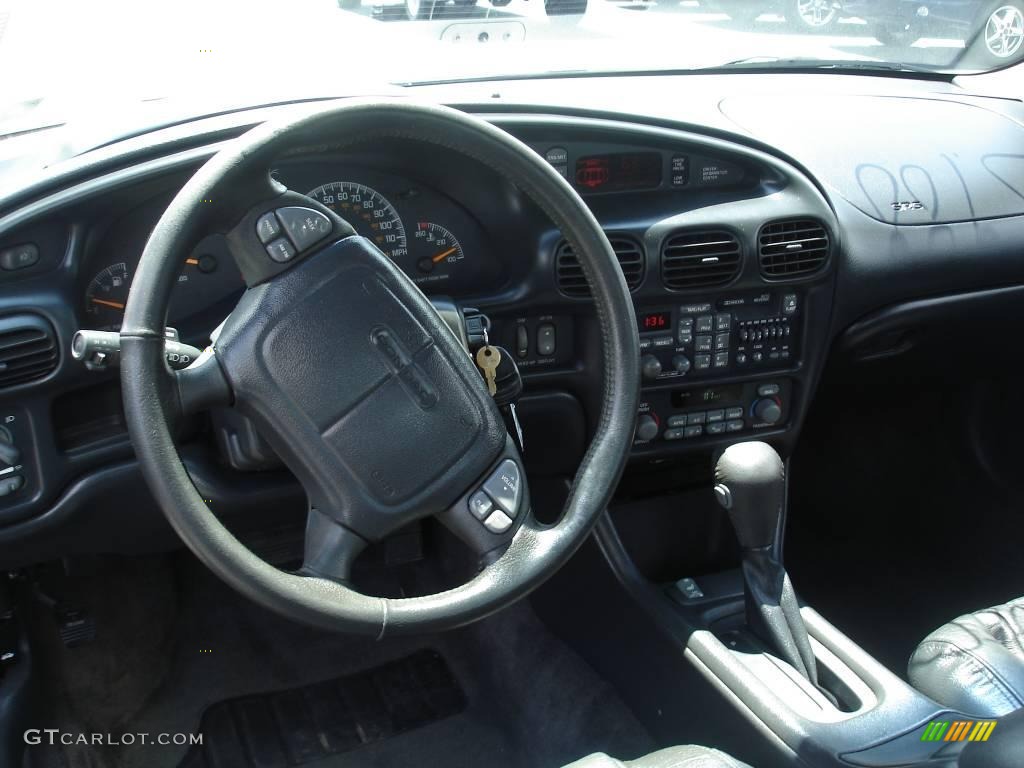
x=154, y=400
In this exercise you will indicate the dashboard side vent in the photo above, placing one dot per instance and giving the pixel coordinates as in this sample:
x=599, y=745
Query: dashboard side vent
x=28, y=349
x=792, y=248
x=700, y=259
x=569, y=273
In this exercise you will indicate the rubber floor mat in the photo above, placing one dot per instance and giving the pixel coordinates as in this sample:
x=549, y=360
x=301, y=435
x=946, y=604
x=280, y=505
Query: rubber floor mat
x=296, y=726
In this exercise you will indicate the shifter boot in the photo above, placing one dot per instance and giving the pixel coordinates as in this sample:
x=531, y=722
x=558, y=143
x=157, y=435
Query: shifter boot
x=773, y=613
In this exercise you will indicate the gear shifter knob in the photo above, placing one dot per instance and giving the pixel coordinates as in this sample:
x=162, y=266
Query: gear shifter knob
x=751, y=486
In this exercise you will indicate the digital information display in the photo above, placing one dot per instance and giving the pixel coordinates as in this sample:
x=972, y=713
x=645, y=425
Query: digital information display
x=731, y=393
x=617, y=172
x=655, y=321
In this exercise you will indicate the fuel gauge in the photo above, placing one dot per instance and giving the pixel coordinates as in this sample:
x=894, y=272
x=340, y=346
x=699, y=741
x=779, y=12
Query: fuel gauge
x=440, y=252
x=106, y=296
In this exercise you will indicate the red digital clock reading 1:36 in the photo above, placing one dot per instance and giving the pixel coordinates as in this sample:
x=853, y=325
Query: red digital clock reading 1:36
x=655, y=321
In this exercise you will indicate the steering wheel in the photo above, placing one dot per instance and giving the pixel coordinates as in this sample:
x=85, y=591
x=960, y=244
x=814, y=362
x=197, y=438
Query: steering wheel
x=358, y=384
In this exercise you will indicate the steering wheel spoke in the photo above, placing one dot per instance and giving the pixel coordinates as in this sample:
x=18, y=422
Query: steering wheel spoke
x=278, y=233
x=487, y=516
x=331, y=548
x=203, y=384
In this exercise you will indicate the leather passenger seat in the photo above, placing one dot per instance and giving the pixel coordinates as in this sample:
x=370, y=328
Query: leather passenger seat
x=688, y=756
x=975, y=663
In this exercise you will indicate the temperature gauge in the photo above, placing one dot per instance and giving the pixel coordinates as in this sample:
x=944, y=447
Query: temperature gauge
x=439, y=251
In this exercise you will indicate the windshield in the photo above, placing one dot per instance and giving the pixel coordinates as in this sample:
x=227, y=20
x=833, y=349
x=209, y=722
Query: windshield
x=92, y=60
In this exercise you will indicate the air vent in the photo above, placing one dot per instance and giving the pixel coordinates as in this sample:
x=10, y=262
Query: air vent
x=28, y=349
x=569, y=273
x=700, y=259
x=792, y=248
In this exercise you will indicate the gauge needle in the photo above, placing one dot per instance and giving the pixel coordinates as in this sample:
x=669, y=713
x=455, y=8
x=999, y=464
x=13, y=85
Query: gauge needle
x=104, y=302
x=441, y=256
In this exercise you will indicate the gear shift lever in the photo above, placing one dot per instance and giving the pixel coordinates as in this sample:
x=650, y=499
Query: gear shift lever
x=751, y=486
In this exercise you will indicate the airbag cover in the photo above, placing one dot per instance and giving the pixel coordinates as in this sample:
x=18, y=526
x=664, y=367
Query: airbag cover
x=361, y=387
x=899, y=160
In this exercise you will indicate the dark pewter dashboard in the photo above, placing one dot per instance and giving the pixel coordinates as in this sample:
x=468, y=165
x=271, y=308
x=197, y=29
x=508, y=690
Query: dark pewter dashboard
x=746, y=259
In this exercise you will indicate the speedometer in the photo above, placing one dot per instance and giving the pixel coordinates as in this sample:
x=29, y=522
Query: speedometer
x=369, y=212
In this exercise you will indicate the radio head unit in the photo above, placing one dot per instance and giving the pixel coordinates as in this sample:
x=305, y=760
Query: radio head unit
x=728, y=335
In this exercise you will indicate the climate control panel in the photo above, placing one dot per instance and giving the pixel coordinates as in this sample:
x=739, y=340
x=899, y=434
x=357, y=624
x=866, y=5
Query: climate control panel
x=695, y=413
x=730, y=334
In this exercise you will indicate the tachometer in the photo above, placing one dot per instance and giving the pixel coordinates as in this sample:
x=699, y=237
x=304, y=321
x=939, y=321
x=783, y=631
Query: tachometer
x=369, y=212
x=106, y=296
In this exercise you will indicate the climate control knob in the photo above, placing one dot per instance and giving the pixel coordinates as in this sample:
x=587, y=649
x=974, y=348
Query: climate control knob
x=767, y=410
x=650, y=367
x=681, y=363
x=646, y=427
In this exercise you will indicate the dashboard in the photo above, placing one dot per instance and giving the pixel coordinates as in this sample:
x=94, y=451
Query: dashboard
x=747, y=260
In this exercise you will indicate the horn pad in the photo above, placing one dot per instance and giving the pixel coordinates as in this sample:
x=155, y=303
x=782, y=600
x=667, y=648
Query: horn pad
x=361, y=387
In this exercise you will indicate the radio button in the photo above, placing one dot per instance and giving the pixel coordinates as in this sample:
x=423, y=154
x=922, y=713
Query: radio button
x=717, y=428
x=650, y=366
x=703, y=344
x=702, y=362
x=721, y=359
x=733, y=426
x=716, y=415
x=694, y=431
x=705, y=324
x=695, y=309
x=480, y=505
x=664, y=341
x=686, y=323
x=723, y=321
x=768, y=390
x=696, y=418
x=733, y=413
x=673, y=434
x=677, y=421
x=681, y=364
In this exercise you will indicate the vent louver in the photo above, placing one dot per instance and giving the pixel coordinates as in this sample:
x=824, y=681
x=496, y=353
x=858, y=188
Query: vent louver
x=793, y=248
x=569, y=273
x=699, y=259
x=28, y=349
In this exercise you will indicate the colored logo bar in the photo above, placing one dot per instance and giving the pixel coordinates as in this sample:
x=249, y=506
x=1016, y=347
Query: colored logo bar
x=958, y=730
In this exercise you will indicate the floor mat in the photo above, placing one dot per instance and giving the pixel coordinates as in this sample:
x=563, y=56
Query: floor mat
x=530, y=701
x=300, y=725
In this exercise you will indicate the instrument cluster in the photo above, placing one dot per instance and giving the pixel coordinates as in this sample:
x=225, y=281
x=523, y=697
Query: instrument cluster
x=439, y=244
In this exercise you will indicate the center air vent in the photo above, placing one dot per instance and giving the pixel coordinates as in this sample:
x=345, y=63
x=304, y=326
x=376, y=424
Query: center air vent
x=569, y=273
x=793, y=248
x=700, y=259
x=28, y=349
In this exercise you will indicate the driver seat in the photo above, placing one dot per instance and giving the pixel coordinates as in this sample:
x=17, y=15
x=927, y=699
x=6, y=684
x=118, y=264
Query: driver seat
x=689, y=756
